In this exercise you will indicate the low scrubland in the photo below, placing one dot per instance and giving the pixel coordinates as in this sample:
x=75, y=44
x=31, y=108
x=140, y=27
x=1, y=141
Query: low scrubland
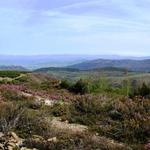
x=116, y=117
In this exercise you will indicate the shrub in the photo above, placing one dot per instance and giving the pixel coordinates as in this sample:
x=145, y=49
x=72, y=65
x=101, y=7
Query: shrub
x=100, y=85
x=10, y=115
x=60, y=110
x=122, y=119
x=84, y=111
x=144, y=90
x=80, y=87
x=33, y=123
x=65, y=84
x=115, y=115
x=82, y=141
x=18, y=117
x=12, y=95
x=129, y=121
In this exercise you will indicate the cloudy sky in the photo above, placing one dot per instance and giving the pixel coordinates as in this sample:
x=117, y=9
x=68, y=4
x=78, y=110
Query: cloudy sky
x=75, y=27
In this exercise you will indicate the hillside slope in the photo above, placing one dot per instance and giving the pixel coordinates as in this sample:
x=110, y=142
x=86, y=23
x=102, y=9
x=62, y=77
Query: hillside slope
x=133, y=65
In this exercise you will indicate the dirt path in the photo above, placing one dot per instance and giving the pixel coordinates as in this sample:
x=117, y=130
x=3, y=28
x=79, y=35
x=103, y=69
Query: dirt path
x=45, y=101
x=57, y=124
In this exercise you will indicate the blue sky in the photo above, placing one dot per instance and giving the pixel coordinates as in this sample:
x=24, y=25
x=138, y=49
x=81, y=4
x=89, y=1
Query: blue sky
x=101, y=27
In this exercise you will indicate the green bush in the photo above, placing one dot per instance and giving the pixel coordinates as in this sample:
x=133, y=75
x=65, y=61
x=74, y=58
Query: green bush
x=84, y=111
x=80, y=87
x=100, y=85
x=65, y=84
x=59, y=110
x=10, y=74
x=144, y=90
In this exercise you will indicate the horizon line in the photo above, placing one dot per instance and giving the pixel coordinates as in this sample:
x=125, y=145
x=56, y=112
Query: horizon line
x=28, y=55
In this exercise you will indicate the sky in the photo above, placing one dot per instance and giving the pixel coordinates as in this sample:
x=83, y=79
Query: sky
x=97, y=27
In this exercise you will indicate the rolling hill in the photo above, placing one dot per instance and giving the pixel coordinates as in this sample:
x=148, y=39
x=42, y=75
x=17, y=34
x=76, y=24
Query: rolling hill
x=133, y=65
x=44, y=70
x=44, y=61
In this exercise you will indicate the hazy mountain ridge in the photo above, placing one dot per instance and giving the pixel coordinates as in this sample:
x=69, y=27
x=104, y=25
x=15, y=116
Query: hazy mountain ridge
x=17, y=68
x=133, y=65
x=68, y=69
x=45, y=61
x=74, y=62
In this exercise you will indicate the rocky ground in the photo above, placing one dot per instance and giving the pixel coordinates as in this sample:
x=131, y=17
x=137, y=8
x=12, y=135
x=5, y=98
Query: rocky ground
x=10, y=141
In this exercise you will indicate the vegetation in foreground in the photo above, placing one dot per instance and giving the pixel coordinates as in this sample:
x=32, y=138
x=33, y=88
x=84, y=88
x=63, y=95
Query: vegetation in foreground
x=114, y=117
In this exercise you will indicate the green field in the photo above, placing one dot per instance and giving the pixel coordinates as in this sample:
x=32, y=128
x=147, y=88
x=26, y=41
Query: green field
x=112, y=76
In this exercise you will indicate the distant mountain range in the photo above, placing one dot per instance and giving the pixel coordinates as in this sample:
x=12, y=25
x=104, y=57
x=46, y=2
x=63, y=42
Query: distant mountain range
x=44, y=61
x=17, y=68
x=133, y=65
x=75, y=62
x=72, y=70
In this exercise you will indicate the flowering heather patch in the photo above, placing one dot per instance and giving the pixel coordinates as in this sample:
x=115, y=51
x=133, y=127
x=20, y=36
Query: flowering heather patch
x=13, y=87
x=122, y=119
x=147, y=146
x=52, y=94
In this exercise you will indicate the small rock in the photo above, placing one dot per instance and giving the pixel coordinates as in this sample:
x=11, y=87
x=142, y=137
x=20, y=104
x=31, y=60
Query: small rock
x=66, y=121
x=25, y=148
x=1, y=134
x=20, y=144
x=37, y=137
x=13, y=141
x=14, y=136
x=54, y=139
x=1, y=147
x=97, y=134
x=11, y=144
x=10, y=147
